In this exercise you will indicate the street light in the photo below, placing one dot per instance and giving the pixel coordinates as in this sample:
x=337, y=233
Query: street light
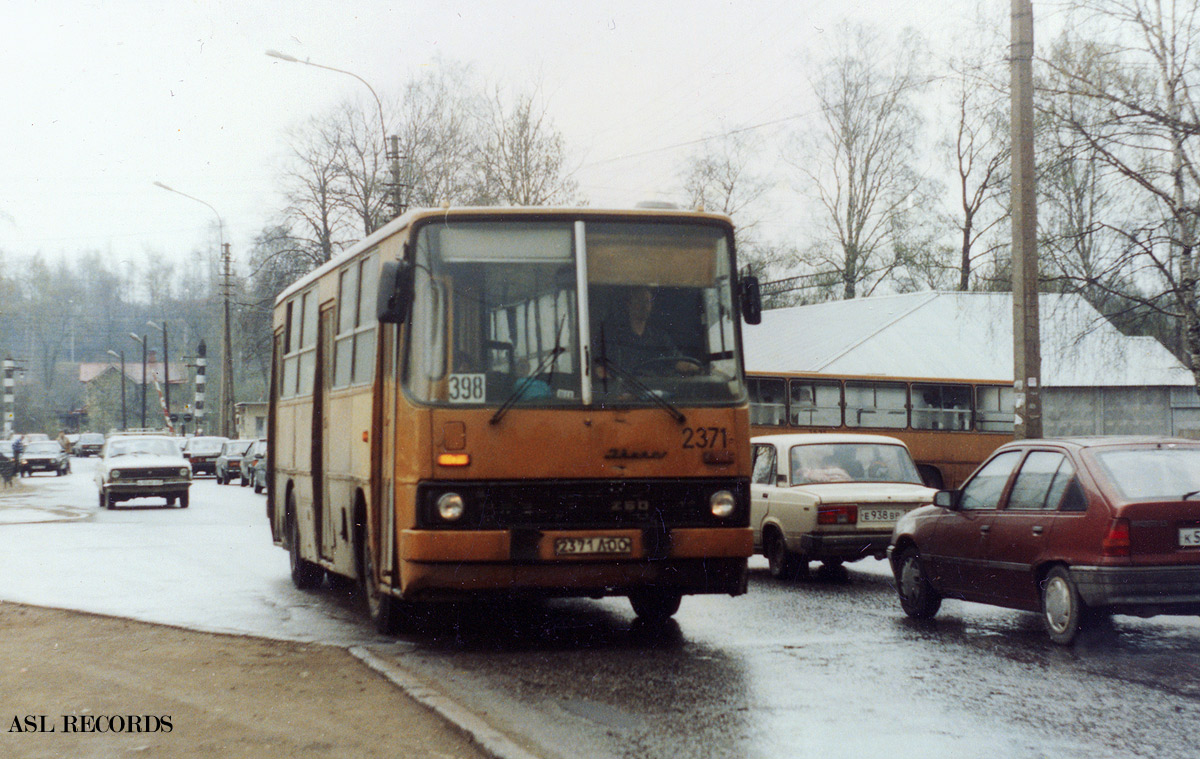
x=226, y=412
x=121, y=355
x=392, y=153
x=142, y=340
x=166, y=368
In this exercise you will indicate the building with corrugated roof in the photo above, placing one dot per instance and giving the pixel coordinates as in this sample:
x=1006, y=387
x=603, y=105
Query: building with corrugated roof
x=1095, y=379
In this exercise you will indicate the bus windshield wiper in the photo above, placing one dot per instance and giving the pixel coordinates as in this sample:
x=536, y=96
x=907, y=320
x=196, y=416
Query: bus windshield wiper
x=522, y=384
x=644, y=391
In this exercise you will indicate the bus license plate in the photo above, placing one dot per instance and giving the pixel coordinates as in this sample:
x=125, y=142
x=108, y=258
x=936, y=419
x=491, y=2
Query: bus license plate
x=1189, y=537
x=593, y=546
x=867, y=516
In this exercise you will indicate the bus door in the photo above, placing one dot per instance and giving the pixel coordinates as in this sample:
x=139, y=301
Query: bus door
x=326, y=533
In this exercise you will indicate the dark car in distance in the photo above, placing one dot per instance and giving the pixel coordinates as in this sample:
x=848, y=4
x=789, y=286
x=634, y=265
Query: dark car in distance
x=228, y=464
x=88, y=444
x=48, y=456
x=202, y=452
x=1074, y=529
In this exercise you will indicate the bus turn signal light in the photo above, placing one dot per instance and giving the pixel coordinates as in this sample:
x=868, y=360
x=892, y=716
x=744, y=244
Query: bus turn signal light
x=453, y=459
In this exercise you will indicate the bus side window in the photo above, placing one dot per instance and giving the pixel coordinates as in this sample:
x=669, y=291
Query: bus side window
x=767, y=401
x=994, y=409
x=941, y=407
x=816, y=404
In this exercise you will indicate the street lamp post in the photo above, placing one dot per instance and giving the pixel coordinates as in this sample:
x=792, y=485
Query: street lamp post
x=142, y=341
x=391, y=145
x=166, y=368
x=226, y=410
x=121, y=355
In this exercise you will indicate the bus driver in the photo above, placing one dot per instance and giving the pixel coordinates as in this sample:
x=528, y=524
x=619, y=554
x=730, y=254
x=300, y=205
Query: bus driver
x=632, y=342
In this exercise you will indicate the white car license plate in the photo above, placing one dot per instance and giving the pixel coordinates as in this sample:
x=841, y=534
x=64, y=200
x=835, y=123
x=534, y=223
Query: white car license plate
x=876, y=515
x=1189, y=537
x=149, y=483
x=593, y=546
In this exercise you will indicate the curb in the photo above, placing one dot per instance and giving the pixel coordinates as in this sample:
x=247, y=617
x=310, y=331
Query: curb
x=484, y=735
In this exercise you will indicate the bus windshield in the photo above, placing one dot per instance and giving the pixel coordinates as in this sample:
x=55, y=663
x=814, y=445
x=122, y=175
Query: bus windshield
x=573, y=314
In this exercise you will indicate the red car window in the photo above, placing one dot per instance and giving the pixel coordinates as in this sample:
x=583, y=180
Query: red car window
x=986, y=487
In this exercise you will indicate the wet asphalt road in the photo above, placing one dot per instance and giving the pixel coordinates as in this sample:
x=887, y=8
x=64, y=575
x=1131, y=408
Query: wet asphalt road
x=827, y=667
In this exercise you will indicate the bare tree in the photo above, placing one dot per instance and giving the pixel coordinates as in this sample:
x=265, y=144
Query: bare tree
x=316, y=212
x=1135, y=62
x=719, y=178
x=361, y=185
x=861, y=153
x=439, y=140
x=980, y=148
x=523, y=157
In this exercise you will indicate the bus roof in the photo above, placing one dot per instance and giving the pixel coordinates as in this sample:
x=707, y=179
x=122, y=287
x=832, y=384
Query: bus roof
x=476, y=212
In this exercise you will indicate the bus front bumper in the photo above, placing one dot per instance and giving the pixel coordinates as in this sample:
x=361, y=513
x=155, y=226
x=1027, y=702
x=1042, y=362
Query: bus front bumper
x=449, y=564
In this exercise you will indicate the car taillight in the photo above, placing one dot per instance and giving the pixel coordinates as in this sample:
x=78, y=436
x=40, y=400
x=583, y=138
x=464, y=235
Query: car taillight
x=837, y=515
x=1116, y=542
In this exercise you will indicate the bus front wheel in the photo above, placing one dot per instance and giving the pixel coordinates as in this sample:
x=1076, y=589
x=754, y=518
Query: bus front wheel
x=655, y=605
x=383, y=609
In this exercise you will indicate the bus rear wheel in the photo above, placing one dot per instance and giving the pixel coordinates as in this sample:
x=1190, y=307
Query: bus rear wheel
x=305, y=574
x=382, y=609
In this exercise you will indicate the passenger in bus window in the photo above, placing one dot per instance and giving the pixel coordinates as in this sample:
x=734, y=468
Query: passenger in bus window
x=632, y=343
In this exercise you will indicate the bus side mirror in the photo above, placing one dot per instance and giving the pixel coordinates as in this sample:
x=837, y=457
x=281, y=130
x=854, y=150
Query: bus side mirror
x=395, y=292
x=751, y=300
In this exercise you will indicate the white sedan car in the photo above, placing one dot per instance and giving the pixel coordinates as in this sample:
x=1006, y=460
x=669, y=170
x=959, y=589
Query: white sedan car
x=829, y=497
x=143, y=466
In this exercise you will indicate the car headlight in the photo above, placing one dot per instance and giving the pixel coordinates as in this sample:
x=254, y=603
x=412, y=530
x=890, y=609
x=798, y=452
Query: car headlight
x=115, y=474
x=450, y=506
x=722, y=503
x=184, y=471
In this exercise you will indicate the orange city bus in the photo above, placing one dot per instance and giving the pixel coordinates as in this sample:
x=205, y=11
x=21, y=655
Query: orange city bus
x=949, y=426
x=456, y=410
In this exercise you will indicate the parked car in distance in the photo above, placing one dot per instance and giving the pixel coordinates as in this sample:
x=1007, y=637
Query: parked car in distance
x=256, y=453
x=202, y=452
x=88, y=444
x=829, y=497
x=1074, y=529
x=260, y=475
x=147, y=466
x=45, y=456
x=34, y=437
x=228, y=463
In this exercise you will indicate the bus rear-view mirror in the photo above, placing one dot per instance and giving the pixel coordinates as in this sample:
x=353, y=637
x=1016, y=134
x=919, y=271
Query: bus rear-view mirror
x=751, y=300
x=395, y=292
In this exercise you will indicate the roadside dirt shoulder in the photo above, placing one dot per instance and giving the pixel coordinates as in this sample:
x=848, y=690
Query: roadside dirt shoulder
x=114, y=687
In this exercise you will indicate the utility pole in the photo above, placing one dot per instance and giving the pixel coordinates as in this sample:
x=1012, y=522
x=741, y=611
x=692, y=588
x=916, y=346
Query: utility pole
x=226, y=352
x=142, y=341
x=166, y=368
x=121, y=355
x=9, y=365
x=201, y=380
x=1027, y=352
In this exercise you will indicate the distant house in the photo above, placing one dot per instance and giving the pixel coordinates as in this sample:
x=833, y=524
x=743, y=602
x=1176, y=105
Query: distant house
x=1095, y=379
x=133, y=371
x=250, y=419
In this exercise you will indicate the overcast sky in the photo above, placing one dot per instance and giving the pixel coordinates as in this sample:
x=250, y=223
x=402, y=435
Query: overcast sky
x=102, y=99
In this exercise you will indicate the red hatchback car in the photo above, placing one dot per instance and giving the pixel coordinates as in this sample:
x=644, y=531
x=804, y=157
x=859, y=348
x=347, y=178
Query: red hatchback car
x=1075, y=529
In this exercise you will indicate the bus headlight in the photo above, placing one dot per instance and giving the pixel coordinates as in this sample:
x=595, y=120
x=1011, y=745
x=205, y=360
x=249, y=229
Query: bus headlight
x=450, y=507
x=722, y=503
